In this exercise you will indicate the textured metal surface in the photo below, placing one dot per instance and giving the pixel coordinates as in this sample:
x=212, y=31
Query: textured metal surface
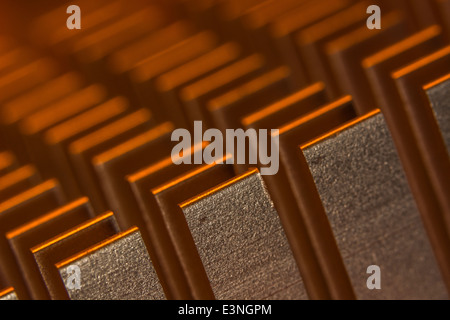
x=65, y=245
x=29, y=205
x=241, y=243
x=117, y=270
x=439, y=96
x=373, y=214
x=32, y=233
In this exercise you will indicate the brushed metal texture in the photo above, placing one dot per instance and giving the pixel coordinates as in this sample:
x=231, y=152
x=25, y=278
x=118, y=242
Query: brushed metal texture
x=119, y=270
x=32, y=233
x=373, y=214
x=242, y=244
x=439, y=96
x=65, y=245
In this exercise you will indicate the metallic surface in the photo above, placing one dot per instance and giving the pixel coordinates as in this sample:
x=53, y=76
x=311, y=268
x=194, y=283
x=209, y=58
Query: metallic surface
x=18, y=181
x=28, y=205
x=195, y=96
x=302, y=66
x=117, y=269
x=348, y=51
x=372, y=212
x=294, y=193
x=113, y=165
x=71, y=242
x=242, y=245
x=409, y=81
x=83, y=150
x=32, y=233
x=161, y=212
x=228, y=108
x=159, y=245
x=439, y=96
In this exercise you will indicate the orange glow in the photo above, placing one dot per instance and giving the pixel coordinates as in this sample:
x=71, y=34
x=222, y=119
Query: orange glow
x=26, y=195
x=16, y=176
x=340, y=129
x=221, y=77
x=164, y=163
x=211, y=60
x=401, y=46
x=314, y=114
x=422, y=62
x=298, y=96
x=249, y=88
x=215, y=189
x=437, y=82
x=96, y=247
x=107, y=132
x=187, y=176
x=129, y=145
x=32, y=224
x=71, y=232
x=6, y=291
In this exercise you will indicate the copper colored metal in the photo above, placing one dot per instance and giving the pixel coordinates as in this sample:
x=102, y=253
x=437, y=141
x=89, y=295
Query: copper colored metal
x=146, y=72
x=57, y=139
x=39, y=97
x=372, y=212
x=66, y=244
x=118, y=268
x=94, y=110
x=196, y=95
x=83, y=150
x=15, y=56
x=410, y=81
x=160, y=208
x=283, y=32
x=257, y=21
x=92, y=49
x=257, y=264
x=278, y=113
x=17, y=181
x=292, y=170
x=25, y=77
x=128, y=57
x=33, y=126
x=228, y=109
x=311, y=41
x=7, y=162
x=18, y=210
x=158, y=243
x=170, y=83
x=113, y=165
x=444, y=9
x=347, y=52
x=438, y=94
x=46, y=31
x=14, y=110
x=378, y=68
x=30, y=234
